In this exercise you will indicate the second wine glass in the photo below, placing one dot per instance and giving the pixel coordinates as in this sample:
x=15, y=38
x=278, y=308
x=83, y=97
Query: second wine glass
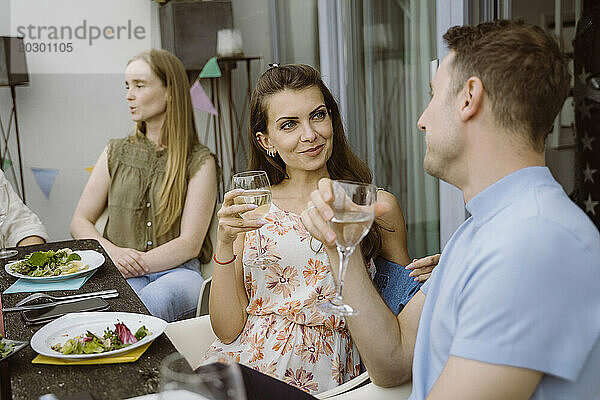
x=257, y=190
x=354, y=210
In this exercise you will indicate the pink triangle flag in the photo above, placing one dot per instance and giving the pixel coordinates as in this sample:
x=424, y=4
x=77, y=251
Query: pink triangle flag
x=200, y=100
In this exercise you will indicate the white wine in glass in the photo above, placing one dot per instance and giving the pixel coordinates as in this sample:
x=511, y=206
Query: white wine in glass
x=259, y=197
x=257, y=190
x=4, y=208
x=354, y=212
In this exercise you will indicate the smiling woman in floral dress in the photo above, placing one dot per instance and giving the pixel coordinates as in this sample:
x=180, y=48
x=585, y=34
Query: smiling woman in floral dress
x=267, y=318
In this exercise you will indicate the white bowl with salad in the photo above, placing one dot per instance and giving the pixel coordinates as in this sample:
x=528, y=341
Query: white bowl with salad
x=96, y=334
x=55, y=265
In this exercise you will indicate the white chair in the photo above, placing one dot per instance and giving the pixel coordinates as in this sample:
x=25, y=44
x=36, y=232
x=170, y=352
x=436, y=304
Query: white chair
x=203, y=298
x=344, y=387
x=207, y=269
x=371, y=391
x=191, y=337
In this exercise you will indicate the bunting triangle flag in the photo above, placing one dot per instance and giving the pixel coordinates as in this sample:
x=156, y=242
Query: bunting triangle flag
x=6, y=164
x=45, y=179
x=200, y=100
x=90, y=169
x=211, y=69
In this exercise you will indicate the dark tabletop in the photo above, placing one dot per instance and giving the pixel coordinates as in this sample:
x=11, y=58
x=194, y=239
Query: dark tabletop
x=108, y=381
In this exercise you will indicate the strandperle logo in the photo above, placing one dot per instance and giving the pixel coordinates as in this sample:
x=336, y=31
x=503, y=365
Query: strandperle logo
x=82, y=32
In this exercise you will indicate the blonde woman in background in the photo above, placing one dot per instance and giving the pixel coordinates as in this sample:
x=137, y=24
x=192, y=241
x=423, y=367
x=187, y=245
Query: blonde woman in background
x=159, y=187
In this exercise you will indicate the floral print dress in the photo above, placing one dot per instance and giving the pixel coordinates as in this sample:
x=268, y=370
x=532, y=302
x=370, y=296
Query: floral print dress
x=285, y=335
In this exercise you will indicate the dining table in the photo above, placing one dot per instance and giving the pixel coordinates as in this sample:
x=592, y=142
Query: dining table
x=20, y=379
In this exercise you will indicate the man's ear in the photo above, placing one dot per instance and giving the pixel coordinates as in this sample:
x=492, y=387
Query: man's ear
x=263, y=140
x=471, y=98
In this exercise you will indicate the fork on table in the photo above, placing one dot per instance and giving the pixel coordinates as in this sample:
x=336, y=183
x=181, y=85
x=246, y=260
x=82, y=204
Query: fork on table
x=36, y=296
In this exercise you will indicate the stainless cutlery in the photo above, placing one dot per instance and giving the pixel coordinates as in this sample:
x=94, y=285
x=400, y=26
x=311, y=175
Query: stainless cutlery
x=70, y=299
x=36, y=296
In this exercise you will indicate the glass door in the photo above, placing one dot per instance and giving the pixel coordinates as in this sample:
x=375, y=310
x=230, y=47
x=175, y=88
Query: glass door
x=388, y=47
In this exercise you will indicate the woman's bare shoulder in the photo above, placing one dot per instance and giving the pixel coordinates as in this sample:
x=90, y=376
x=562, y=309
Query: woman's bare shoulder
x=394, y=217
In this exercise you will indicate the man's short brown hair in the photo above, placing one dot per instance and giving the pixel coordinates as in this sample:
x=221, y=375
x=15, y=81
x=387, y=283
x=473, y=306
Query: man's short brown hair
x=523, y=71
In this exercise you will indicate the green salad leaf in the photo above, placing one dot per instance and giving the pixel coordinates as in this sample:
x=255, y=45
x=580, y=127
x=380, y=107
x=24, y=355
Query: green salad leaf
x=93, y=344
x=5, y=348
x=142, y=332
x=49, y=263
x=38, y=259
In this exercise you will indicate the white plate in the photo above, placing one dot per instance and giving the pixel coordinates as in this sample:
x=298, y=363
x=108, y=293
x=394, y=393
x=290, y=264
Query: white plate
x=89, y=257
x=17, y=345
x=76, y=324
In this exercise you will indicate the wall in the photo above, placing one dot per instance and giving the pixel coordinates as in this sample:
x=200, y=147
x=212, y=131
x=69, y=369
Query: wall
x=66, y=119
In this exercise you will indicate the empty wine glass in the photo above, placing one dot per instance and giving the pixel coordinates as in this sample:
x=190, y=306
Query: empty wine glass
x=257, y=190
x=216, y=381
x=354, y=211
x=4, y=208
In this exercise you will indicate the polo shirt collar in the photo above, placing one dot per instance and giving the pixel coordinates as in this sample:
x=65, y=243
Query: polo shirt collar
x=502, y=193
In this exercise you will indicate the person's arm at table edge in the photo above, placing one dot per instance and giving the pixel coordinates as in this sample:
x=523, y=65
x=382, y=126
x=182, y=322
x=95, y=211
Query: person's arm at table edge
x=22, y=226
x=30, y=240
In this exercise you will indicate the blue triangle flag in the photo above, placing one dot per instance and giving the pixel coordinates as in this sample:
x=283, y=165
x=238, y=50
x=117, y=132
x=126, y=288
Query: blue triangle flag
x=45, y=178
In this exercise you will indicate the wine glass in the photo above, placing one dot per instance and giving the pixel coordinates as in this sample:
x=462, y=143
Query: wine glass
x=216, y=381
x=354, y=210
x=257, y=190
x=4, y=208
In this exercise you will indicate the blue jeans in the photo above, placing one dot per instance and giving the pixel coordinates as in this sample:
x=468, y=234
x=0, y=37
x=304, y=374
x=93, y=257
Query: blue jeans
x=394, y=285
x=171, y=294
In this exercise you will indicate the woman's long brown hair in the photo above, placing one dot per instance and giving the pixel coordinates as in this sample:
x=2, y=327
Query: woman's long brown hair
x=343, y=163
x=178, y=134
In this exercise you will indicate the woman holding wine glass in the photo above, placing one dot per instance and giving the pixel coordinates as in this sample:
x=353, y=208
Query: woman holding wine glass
x=268, y=317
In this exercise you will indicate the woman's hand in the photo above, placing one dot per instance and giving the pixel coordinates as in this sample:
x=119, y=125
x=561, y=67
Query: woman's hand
x=129, y=262
x=422, y=267
x=230, y=222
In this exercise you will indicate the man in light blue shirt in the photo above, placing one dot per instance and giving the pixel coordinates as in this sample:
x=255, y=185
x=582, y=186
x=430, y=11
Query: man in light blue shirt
x=517, y=285
x=513, y=309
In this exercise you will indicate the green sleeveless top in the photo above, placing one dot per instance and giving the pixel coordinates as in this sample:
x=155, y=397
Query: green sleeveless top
x=137, y=170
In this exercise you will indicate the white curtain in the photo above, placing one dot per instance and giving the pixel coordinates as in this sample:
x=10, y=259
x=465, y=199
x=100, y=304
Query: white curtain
x=389, y=45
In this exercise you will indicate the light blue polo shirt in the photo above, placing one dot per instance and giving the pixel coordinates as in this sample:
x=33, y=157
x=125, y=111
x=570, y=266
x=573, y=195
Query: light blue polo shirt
x=517, y=284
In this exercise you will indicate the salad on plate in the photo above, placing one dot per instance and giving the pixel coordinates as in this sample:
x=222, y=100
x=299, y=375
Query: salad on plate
x=50, y=263
x=112, y=339
x=9, y=347
x=5, y=347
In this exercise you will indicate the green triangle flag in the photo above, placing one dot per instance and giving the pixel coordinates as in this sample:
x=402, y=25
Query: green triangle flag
x=211, y=69
x=6, y=165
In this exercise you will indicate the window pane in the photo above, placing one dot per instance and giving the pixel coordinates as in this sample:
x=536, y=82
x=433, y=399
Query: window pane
x=389, y=45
